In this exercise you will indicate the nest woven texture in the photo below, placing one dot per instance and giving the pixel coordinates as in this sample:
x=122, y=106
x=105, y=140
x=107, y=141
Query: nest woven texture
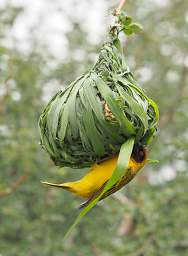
x=91, y=118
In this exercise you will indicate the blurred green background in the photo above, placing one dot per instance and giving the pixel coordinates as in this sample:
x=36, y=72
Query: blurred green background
x=44, y=45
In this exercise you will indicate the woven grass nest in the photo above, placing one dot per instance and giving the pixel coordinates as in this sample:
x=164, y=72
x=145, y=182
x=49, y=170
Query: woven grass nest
x=91, y=118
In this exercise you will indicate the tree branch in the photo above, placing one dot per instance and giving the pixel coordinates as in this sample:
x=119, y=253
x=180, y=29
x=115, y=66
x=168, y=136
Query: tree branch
x=119, y=8
x=14, y=185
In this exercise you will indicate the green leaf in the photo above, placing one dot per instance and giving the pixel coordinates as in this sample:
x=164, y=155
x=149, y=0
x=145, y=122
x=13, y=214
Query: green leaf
x=119, y=172
x=125, y=20
x=114, y=107
x=127, y=30
x=117, y=44
x=135, y=27
x=135, y=106
x=89, y=94
x=156, y=110
x=71, y=106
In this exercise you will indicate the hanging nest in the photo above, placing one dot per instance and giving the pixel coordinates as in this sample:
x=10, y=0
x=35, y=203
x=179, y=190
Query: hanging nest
x=91, y=118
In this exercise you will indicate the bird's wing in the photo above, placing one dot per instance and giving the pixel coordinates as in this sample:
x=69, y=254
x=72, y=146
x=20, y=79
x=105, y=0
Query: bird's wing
x=126, y=179
x=95, y=195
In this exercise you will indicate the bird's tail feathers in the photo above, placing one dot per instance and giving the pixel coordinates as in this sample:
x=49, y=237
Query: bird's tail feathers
x=62, y=185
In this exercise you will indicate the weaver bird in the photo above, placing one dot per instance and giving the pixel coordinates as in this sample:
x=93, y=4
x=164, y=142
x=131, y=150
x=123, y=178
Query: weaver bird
x=92, y=184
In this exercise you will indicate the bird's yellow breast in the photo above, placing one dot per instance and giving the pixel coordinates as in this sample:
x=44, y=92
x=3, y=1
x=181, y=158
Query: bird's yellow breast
x=98, y=175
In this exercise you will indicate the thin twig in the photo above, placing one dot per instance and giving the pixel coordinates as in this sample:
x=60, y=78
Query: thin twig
x=14, y=185
x=121, y=4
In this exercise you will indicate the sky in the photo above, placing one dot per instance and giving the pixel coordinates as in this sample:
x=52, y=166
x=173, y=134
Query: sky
x=49, y=21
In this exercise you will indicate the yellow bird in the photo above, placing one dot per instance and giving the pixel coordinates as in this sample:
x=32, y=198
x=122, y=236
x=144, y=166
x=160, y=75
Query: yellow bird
x=94, y=181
